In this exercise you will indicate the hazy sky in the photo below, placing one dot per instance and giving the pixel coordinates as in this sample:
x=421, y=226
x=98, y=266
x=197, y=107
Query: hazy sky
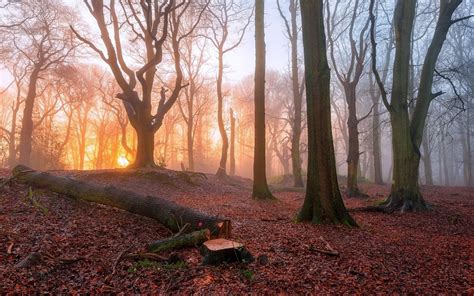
x=241, y=61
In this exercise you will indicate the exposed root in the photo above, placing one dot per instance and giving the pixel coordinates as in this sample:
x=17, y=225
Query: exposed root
x=402, y=201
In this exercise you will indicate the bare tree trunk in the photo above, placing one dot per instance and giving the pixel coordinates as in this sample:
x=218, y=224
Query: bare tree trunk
x=297, y=98
x=222, y=171
x=467, y=158
x=323, y=202
x=427, y=159
x=232, y=142
x=445, y=162
x=407, y=135
x=260, y=187
x=27, y=120
x=12, y=134
x=376, y=149
x=353, y=151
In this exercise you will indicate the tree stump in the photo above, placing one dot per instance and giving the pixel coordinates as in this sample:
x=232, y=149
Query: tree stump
x=218, y=251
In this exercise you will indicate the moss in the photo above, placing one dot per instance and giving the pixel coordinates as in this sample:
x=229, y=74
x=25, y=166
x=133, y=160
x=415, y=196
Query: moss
x=148, y=264
x=247, y=274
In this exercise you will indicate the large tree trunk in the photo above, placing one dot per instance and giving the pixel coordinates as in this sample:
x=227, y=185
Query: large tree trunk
x=407, y=135
x=145, y=146
x=260, y=187
x=323, y=202
x=27, y=120
x=405, y=194
x=168, y=213
x=222, y=170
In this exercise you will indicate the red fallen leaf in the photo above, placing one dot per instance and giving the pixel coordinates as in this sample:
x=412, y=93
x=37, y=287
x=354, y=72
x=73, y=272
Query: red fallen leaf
x=10, y=248
x=101, y=233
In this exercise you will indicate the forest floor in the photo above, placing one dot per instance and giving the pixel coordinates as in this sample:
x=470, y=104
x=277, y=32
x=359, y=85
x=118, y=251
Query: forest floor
x=423, y=253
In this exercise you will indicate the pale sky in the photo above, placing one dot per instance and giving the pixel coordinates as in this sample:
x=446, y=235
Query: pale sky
x=241, y=61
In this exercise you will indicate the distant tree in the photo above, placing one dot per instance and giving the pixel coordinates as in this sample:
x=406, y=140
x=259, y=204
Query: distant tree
x=349, y=78
x=232, y=142
x=323, y=202
x=194, y=99
x=43, y=41
x=291, y=26
x=225, y=14
x=260, y=187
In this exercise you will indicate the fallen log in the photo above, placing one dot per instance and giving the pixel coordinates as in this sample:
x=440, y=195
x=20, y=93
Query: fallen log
x=192, y=239
x=168, y=213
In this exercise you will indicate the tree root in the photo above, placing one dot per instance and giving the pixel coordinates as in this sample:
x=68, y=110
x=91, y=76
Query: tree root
x=400, y=201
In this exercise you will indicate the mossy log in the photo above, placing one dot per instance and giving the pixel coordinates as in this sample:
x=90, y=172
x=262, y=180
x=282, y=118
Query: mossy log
x=192, y=239
x=168, y=213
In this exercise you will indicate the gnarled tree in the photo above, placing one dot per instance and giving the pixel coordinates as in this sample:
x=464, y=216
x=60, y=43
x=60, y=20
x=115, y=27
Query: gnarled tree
x=349, y=78
x=150, y=23
x=407, y=131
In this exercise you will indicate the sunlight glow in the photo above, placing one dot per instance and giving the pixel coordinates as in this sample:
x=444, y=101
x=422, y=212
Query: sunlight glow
x=122, y=161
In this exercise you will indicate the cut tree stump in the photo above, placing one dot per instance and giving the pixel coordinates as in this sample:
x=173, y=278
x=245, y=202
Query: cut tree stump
x=168, y=213
x=217, y=251
x=192, y=239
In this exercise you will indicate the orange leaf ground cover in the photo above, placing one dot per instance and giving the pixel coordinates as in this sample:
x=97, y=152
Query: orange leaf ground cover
x=423, y=253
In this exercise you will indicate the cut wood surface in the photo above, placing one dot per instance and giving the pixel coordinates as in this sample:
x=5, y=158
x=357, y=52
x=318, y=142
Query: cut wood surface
x=222, y=244
x=217, y=251
x=168, y=213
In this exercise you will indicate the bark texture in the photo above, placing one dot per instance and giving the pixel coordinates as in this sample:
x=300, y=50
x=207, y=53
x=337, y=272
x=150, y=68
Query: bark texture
x=260, y=186
x=323, y=202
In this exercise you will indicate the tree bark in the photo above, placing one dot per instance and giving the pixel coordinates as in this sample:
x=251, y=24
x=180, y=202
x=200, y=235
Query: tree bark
x=12, y=133
x=405, y=194
x=232, y=142
x=445, y=162
x=27, y=120
x=427, y=159
x=145, y=147
x=260, y=187
x=222, y=170
x=353, y=151
x=168, y=213
x=376, y=149
x=323, y=202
